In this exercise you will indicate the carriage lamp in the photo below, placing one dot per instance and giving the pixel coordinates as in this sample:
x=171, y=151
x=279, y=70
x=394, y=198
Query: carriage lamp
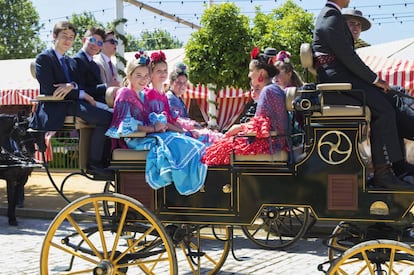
x=309, y=99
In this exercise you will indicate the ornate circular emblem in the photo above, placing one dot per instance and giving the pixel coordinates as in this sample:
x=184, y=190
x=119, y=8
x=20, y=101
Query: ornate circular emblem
x=334, y=147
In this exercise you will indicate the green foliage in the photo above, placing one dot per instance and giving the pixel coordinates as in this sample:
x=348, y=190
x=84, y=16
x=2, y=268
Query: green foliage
x=285, y=28
x=361, y=43
x=19, y=27
x=157, y=40
x=219, y=52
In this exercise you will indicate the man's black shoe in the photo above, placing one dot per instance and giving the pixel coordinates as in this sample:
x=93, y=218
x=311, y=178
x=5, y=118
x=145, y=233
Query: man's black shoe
x=384, y=178
x=100, y=172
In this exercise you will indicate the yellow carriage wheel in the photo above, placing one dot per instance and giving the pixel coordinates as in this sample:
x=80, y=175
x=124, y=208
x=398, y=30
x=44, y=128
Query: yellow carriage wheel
x=86, y=237
x=205, y=248
x=344, y=236
x=375, y=257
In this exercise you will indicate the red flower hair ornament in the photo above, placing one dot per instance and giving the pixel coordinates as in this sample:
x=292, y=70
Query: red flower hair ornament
x=158, y=56
x=255, y=53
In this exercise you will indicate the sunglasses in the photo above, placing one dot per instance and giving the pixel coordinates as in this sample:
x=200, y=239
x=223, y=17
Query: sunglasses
x=94, y=41
x=112, y=41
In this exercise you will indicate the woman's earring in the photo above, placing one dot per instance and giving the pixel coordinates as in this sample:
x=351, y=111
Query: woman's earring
x=260, y=79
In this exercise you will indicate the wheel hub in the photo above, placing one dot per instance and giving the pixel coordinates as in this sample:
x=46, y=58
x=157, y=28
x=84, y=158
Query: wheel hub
x=104, y=267
x=272, y=213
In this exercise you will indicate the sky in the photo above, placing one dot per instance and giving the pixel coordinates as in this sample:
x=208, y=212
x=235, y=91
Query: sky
x=391, y=19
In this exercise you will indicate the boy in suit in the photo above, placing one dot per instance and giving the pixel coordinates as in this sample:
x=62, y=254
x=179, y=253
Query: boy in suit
x=108, y=71
x=58, y=76
x=336, y=61
x=89, y=73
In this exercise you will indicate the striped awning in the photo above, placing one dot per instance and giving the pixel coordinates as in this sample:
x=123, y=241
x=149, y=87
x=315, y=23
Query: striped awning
x=397, y=72
x=231, y=103
x=18, y=96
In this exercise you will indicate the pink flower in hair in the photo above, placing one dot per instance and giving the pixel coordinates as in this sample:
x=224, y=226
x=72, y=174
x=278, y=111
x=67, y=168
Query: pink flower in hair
x=158, y=56
x=283, y=56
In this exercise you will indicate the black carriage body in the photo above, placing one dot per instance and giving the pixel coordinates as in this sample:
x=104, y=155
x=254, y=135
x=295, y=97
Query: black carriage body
x=330, y=179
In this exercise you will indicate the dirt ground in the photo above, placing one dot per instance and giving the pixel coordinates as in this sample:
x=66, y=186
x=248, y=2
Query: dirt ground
x=40, y=193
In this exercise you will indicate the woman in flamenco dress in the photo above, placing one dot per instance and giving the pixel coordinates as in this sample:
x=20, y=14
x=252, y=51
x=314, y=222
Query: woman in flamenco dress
x=271, y=116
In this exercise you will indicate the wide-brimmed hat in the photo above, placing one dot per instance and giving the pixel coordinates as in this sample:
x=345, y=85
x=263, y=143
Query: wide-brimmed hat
x=357, y=14
x=269, y=52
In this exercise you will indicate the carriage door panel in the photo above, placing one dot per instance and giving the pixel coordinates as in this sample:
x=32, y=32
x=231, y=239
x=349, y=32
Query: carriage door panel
x=216, y=197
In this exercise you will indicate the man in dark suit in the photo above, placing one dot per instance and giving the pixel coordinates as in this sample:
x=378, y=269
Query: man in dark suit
x=336, y=61
x=89, y=72
x=58, y=77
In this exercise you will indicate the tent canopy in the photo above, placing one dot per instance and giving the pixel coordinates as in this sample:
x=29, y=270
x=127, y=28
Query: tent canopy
x=393, y=61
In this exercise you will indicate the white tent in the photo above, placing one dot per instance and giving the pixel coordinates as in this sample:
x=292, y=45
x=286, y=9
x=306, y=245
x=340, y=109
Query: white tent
x=393, y=61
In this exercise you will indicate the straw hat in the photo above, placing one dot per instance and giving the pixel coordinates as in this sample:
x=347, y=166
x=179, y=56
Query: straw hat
x=357, y=14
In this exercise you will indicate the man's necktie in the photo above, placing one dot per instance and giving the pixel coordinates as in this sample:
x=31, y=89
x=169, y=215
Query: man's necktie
x=112, y=68
x=65, y=68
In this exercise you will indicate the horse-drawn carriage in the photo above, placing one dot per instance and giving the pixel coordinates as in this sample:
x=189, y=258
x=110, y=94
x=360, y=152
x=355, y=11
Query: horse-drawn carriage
x=135, y=229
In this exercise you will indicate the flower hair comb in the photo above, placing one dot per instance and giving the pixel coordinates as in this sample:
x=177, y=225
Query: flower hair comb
x=254, y=54
x=283, y=56
x=142, y=57
x=158, y=56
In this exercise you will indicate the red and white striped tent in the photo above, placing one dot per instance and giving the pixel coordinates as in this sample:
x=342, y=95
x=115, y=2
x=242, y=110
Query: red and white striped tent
x=231, y=103
x=393, y=61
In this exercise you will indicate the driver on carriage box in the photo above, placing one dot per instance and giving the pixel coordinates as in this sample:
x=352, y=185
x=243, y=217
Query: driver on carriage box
x=336, y=61
x=357, y=23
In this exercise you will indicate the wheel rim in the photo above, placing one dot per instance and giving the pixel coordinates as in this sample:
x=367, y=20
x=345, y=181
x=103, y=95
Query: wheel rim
x=109, y=188
x=344, y=237
x=83, y=239
x=205, y=248
x=278, y=227
x=375, y=257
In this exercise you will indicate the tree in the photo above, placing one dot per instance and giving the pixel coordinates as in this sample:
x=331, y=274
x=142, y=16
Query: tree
x=19, y=25
x=285, y=28
x=158, y=40
x=218, y=53
x=133, y=44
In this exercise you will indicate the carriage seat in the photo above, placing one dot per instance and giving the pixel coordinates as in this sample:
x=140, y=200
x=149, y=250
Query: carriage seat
x=119, y=154
x=306, y=58
x=74, y=122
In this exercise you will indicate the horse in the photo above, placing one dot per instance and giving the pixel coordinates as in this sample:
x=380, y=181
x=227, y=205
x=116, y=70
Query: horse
x=16, y=158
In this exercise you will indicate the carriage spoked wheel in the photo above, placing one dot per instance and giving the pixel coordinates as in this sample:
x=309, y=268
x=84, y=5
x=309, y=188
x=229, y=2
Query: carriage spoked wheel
x=204, y=247
x=375, y=257
x=83, y=239
x=344, y=236
x=278, y=226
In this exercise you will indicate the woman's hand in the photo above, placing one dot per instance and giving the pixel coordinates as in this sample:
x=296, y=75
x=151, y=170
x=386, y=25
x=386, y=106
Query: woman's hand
x=234, y=130
x=62, y=90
